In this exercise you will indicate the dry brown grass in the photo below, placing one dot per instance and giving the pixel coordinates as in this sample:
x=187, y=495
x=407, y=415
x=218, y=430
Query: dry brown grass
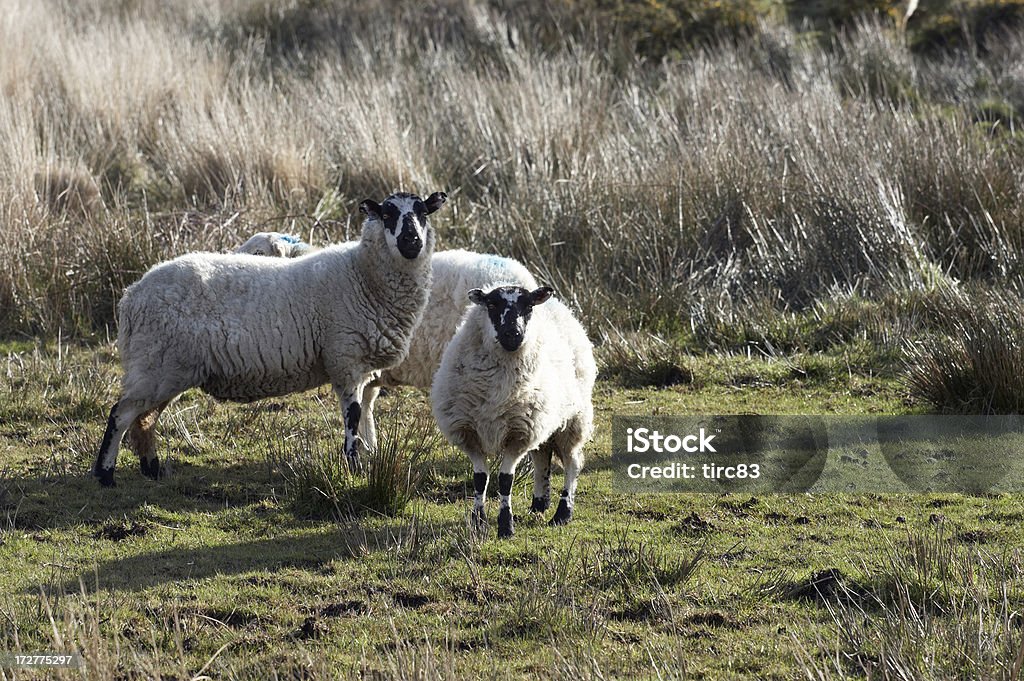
x=768, y=172
x=974, y=364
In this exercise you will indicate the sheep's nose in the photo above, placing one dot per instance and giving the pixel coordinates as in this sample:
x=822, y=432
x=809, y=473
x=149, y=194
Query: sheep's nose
x=409, y=244
x=510, y=340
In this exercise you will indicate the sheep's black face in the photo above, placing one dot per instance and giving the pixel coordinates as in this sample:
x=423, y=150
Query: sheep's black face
x=405, y=219
x=509, y=309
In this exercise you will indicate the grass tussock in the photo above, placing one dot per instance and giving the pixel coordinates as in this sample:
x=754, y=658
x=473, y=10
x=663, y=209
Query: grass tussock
x=319, y=483
x=933, y=609
x=395, y=470
x=974, y=367
x=579, y=589
x=635, y=360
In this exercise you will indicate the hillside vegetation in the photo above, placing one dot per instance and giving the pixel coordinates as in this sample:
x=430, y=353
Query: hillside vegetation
x=763, y=175
x=756, y=207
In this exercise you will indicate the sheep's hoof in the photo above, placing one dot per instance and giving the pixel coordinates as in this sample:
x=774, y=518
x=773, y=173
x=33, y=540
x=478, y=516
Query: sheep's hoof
x=150, y=467
x=506, y=527
x=563, y=515
x=105, y=476
x=540, y=504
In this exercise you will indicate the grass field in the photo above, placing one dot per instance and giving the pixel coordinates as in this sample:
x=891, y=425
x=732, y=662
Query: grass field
x=756, y=207
x=220, y=569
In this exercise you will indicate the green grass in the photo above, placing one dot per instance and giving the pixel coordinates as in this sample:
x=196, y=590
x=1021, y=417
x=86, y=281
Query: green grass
x=214, y=569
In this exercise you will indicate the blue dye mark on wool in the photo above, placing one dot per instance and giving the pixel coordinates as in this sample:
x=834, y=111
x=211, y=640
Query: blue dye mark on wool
x=289, y=239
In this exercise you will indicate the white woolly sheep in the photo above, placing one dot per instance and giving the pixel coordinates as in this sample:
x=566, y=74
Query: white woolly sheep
x=275, y=244
x=244, y=328
x=517, y=378
x=455, y=273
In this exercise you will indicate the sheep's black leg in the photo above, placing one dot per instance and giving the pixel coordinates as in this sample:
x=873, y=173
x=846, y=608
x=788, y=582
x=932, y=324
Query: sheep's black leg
x=351, y=414
x=506, y=525
x=541, y=479
x=122, y=414
x=563, y=514
x=480, y=490
x=480, y=477
x=142, y=436
x=105, y=461
x=150, y=467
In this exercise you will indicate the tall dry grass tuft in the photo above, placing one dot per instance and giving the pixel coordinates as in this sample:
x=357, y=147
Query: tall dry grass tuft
x=643, y=359
x=975, y=366
x=319, y=483
x=406, y=442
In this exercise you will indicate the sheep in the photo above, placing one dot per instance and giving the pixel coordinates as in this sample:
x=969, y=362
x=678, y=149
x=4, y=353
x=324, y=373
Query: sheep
x=455, y=273
x=243, y=328
x=518, y=377
x=275, y=244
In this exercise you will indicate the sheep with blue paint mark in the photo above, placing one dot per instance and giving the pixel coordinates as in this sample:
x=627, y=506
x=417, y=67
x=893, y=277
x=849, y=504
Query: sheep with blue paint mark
x=275, y=244
x=243, y=328
x=518, y=377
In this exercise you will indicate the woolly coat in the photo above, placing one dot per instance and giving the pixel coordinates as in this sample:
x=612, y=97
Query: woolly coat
x=455, y=272
x=508, y=403
x=243, y=328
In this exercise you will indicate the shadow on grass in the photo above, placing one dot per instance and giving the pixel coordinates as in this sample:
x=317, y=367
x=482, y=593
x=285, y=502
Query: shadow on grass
x=309, y=552
x=56, y=502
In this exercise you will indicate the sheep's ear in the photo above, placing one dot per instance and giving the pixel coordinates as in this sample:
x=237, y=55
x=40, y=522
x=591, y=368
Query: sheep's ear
x=370, y=208
x=541, y=295
x=477, y=296
x=435, y=201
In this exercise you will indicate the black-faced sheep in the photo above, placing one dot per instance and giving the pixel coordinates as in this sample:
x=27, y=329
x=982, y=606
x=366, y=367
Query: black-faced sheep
x=518, y=377
x=244, y=328
x=455, y=273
